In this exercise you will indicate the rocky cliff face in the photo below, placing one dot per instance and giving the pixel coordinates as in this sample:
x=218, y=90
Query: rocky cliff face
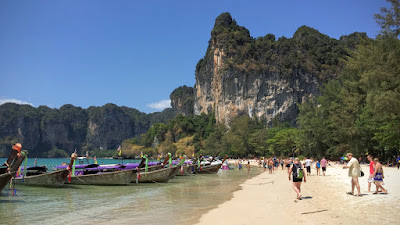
x=262, y=77
x=42, y=129
x=182, y=100
x=108, y=126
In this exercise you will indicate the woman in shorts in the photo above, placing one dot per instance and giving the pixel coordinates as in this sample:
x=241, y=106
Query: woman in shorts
x=294, y=170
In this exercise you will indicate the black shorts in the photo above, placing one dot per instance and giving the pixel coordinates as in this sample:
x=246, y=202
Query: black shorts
x=297, y=179
x=308, y=169
x=288, y=165
x=324, y=169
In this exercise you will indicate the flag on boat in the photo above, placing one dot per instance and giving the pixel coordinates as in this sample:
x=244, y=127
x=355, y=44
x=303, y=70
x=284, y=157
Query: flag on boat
x=141, y=154
x=95, y=160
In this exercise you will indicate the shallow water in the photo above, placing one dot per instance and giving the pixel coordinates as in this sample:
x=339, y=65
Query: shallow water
x=180, y=201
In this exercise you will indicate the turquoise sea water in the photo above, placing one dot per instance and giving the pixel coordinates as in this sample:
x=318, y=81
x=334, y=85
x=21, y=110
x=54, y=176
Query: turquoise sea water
x=180, y=201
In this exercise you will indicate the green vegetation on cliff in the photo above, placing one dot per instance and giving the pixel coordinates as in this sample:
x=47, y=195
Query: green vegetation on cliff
x=308, y=51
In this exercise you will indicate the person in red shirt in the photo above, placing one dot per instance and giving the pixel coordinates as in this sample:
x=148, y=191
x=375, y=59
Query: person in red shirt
x=371, y=171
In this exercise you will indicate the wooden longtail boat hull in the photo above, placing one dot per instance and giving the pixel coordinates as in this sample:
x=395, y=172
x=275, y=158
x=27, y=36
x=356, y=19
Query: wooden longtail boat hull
x=122, y=177
x=161, y=175
x=52, y=179
x=208, y=169
x=187, y=169
x=4, y=179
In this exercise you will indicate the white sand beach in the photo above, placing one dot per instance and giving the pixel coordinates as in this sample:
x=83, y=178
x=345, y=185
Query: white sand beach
x=268, y=198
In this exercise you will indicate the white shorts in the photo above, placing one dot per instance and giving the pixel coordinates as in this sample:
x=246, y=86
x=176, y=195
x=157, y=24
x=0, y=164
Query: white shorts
x=370, y=180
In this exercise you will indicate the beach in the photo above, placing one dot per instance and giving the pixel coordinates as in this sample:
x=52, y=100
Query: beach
x=270, y=198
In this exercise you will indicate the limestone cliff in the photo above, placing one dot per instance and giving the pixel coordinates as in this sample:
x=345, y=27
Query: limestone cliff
x=264, y=77
x=182, y=100
x=42, y=129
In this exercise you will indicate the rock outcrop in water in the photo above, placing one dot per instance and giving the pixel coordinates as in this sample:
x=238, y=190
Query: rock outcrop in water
x=42, y=129
x=265, y=78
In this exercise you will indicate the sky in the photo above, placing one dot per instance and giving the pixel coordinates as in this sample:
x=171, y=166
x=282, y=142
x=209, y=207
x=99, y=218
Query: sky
x=135, y=53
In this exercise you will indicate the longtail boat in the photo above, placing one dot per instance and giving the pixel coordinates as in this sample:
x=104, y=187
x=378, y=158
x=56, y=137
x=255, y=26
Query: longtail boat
x=51, y=179
x=120, y=177
x=94, y=174
x=10, y=167
x=158, y=175
x=210, y=168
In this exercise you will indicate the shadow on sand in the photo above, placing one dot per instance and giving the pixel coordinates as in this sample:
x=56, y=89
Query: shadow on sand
x=306, y=197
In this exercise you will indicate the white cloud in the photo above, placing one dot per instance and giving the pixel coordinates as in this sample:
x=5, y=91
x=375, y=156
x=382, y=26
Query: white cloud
x=13, y=100
x=160, y=105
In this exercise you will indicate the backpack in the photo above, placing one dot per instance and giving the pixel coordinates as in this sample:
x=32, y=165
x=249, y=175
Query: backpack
x=298, y=172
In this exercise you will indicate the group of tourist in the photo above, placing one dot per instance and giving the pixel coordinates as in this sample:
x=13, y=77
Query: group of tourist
x=376, y=174
x=295, y=170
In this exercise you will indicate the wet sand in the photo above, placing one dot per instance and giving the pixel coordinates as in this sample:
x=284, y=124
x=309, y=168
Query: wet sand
x=268, y=198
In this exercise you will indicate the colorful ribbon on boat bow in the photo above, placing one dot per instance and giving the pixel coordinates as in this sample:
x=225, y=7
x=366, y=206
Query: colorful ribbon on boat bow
x=181, y=162
x=25, y=165
x=146, y=167
x=73, y=169
x=170, y=159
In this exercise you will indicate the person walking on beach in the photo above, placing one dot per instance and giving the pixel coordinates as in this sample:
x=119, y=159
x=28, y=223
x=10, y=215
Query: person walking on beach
x=288, y=164
x=318, y=166
x=248, y=167
x=308, y=166
x=398, y=161
x=270, y=165
x=298, y=174
x=371, y=172
x=378, y=176
x=323, y=165
x=354, y=173
x=264, y=164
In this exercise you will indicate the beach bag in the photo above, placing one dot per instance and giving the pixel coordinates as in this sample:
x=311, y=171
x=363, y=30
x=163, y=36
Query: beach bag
x=362, y=173
x=299, y=174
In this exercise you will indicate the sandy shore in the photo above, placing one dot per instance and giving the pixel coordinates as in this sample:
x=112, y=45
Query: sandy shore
x=270, y=198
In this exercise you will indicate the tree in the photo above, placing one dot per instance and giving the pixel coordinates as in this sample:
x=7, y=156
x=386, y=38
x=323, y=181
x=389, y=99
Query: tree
x=258, y=141
x=389, y=19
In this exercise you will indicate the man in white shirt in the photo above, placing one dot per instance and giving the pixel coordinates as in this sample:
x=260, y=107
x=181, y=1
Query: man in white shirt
x=308, y=166
x=354, y=173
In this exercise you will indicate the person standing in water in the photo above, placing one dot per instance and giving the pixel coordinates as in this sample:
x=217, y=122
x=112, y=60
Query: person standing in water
x=323, y=165
x=298, y=174
x=354, y=173
x=378, y=176
x=248, y=167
